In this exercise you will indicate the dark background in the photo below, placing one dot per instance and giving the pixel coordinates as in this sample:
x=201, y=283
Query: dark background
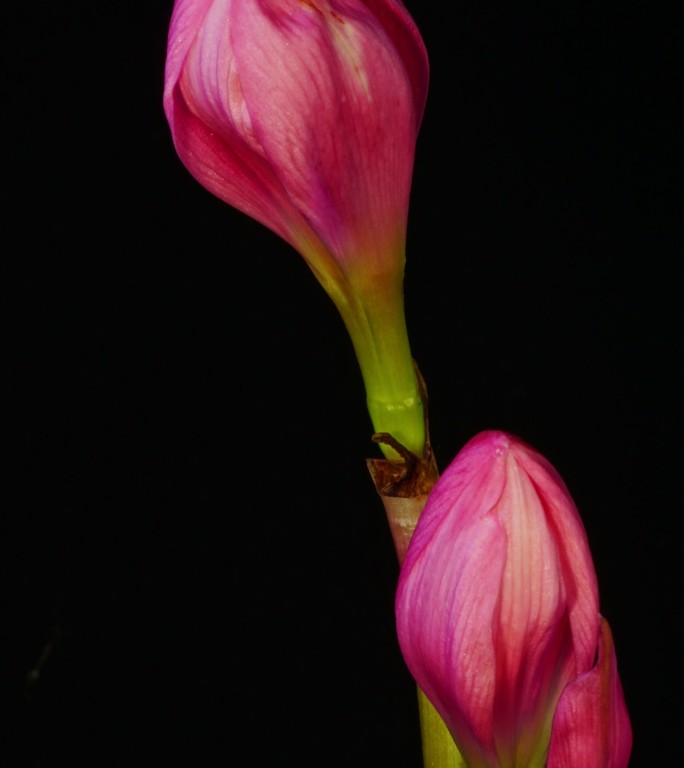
x=195, y=566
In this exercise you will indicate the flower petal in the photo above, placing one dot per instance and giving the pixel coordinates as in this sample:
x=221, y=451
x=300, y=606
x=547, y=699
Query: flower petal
x=186, y=19
x=333, y=109
x=210, y=123
x=591, y=727
x=452, y=658
x=576, y=562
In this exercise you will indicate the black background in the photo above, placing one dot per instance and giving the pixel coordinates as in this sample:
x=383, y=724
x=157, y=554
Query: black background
x=194, y=562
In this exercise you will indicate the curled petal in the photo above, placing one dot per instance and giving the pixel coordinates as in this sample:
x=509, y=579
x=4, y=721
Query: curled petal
x=210, y=122
x=591, y=727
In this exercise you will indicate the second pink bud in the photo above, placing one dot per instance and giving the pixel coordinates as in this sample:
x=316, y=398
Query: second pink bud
x=498, y=615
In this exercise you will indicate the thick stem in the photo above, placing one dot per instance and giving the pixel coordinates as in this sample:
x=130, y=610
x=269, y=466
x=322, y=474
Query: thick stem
x=404, y=487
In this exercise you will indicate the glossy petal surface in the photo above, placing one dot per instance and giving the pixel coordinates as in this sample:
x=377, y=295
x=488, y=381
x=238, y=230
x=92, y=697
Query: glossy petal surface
x=497, y=604
x=304, y=115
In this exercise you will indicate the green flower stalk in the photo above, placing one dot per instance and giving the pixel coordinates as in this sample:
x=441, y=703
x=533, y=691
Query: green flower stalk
x=304, y=114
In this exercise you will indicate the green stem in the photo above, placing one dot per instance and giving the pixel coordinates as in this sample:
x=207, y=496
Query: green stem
x=377, y=326
x=439, y=750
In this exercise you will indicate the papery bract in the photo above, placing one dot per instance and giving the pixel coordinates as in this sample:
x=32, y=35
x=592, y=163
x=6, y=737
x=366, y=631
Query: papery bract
x=497, y=603
x=304, y=114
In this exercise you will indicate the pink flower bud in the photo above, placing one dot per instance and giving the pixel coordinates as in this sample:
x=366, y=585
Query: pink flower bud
x=304, y=114
x=301, y=113
x=497, y=607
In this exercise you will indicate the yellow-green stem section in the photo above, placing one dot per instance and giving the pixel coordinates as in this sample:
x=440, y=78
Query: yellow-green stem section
x=377, y=326
x=439, y=750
